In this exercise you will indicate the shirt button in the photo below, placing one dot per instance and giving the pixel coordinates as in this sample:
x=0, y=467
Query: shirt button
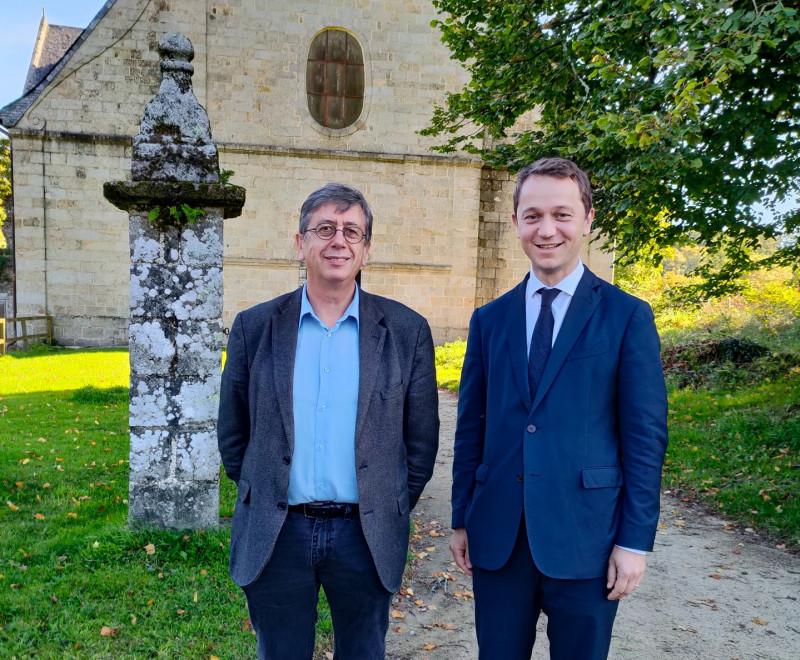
x=330, y=334
x=327, y=370
x=531, y=428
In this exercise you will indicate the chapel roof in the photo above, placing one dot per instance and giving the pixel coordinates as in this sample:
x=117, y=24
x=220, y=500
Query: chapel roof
x=54, y=47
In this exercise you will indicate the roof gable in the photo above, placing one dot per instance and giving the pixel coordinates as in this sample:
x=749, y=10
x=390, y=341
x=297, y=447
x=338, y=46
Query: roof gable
x=46, y=60
x=52, y=42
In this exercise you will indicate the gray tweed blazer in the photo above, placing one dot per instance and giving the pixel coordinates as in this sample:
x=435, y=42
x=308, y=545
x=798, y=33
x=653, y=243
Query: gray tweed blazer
x=397, y=427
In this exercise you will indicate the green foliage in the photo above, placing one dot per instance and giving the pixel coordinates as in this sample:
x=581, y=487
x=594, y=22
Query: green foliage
x=69, y=566
x=5, y=184
x=449, y=358
x=225, y=176
x=175, y=216
x=683, y=112
x=5, y=193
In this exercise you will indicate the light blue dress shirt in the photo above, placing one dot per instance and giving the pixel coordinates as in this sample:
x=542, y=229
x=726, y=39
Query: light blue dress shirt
x=325, y=402
x=533, y=304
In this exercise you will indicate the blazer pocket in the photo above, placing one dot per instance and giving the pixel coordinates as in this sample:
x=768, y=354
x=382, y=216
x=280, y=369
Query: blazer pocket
x=243, y=491
x=392, y=391
x=590, y=350
x=481, y=473
x=602, y=477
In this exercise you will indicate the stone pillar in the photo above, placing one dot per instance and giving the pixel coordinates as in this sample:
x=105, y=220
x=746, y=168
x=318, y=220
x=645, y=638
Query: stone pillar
x=176, y=206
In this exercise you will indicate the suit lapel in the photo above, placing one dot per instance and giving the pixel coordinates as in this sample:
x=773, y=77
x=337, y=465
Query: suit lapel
x=516, y=330
x=371, y=335
x=284, y=345
x=583, y=305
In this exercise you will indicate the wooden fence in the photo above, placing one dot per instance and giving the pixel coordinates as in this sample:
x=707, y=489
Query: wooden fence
x=21, y=335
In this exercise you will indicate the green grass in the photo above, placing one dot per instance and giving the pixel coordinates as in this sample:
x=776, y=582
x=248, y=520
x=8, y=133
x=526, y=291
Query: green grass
x=69, y=566
x=740, y=452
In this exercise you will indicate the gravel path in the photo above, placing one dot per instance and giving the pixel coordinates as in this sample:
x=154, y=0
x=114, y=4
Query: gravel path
x=710, y=591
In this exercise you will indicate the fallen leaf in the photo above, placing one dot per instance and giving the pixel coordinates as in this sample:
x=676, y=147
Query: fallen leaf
x=72, y=514
x=12, y=506
x=195, y=597
x=150, y=549
x=399, y=629
x=38, y=516
x=445, y=626
x=716, y=576
x=430, y=548
x=397, y=614
x=19, y=484
x=759, y=621
x=133, y=619
x=107, y=631
x=429, y=647
x=180, y=612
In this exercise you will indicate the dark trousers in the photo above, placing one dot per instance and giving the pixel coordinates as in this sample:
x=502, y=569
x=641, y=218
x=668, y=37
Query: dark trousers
x=508, y=602
x=282, y=602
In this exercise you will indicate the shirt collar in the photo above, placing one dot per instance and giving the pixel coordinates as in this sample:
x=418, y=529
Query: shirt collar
x=567, y=285
x=306, y=308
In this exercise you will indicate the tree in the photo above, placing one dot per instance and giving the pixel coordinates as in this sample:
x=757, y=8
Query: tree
x=5, y=186
x=686, y=113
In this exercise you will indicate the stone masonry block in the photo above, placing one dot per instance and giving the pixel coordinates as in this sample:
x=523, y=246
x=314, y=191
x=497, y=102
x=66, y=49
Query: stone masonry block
x=173, y=503
x=181, y=293
x=199, y=347
x=197, y=456
x=152, y=347
x=161, y=401
x=151, y=454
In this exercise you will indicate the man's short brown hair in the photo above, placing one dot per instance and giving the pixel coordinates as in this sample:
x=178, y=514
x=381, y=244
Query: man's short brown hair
x=560, y=168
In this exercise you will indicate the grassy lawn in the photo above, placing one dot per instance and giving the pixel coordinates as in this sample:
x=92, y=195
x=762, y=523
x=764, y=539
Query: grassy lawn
x=74, y=581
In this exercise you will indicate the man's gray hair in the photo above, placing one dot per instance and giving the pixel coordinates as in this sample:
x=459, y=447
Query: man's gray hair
x=343, y=196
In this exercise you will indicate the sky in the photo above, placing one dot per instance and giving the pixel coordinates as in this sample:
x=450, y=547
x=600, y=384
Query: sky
x=19, y=24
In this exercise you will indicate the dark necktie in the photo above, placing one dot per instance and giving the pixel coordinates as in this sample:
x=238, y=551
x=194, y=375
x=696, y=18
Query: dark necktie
x=541, y=340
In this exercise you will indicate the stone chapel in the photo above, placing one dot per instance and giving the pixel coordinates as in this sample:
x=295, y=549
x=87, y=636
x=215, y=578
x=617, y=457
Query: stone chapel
x=298, y=94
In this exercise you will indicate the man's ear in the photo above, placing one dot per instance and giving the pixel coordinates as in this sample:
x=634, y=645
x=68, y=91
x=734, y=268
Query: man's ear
x=587, y=224
x=514, y=222
x=298, y=243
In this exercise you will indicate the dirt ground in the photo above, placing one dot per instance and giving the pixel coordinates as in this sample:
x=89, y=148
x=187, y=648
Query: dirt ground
x=711, y=591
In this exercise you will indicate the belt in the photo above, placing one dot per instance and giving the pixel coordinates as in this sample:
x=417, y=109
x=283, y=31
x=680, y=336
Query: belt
x=325, y=510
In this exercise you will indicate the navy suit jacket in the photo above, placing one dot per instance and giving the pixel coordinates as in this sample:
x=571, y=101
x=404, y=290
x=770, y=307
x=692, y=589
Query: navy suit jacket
x=582, y=459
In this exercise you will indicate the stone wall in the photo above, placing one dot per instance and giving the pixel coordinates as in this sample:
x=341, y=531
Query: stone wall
x=250, y=75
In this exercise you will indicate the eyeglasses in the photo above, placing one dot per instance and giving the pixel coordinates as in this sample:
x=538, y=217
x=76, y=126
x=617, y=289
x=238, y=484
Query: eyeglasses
x=327, y=230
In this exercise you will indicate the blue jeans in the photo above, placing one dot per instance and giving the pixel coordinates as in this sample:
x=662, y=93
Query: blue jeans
x=282, y=602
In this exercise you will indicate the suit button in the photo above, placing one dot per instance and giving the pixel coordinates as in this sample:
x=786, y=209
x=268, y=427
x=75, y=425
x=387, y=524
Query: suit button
x=282, y=505
x=531, y=428
x=519, y=477
x=287, y=460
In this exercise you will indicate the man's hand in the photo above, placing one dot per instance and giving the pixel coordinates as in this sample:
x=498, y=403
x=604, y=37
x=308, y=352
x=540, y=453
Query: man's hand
x=458, y=546
x=625, y=572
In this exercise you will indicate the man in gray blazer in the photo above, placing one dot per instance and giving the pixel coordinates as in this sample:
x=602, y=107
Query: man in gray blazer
x=328, y=424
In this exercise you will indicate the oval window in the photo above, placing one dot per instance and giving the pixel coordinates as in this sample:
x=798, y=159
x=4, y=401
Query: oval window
x=335, y=79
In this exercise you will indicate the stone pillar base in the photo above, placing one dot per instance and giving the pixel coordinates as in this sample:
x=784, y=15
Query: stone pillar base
x=173, y=504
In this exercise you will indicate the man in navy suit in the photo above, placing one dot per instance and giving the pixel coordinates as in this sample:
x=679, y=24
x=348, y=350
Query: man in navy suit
x=560, y=437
